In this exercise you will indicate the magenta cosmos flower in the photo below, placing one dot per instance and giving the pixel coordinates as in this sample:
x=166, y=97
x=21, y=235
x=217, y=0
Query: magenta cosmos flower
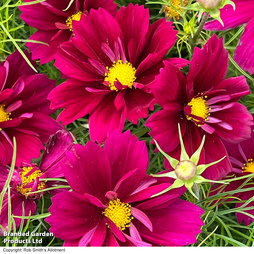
x=110, y=203
x=244, y=13
x=24, y=110
x=204, y=103
x=109, y=64
x=26, y=179
x=241, y=156
x=54, y=22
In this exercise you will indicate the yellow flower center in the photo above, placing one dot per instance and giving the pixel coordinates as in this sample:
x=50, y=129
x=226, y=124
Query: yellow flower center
x=119, y=213
x=76, y=16
x=185, y=170
x=172, y=12
x=26, y=179
x=199, y=108
x=4, y=116
x=249, y=167
x=124, y=72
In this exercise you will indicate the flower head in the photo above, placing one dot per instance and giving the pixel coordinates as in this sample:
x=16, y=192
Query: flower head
x=109, y=65
x=203, y=102
x=29, y=181
x=232, y=18
x=110, y=203
x=54, y=19
x=24, y=110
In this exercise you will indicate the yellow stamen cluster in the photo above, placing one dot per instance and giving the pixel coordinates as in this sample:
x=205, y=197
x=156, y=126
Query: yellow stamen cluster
x=124, y=72
x=119, y=213
x=248, y=167
x=76, y=16
x=171, y=12
x=4, y=116
x=198, y=108
x=185, y=170
x=28, y=179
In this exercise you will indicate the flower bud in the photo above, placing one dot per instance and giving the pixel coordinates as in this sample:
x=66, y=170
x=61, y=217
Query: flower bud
x=210, y=4
x=185, y=170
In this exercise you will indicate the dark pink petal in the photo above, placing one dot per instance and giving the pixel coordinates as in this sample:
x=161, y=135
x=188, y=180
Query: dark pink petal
x=3, y=75
x=34, y=94
x=244, y=52
x=116, y=231
x=108, y=5
x=99, y=234
x=53, y=38
x=215, y=150
x=4, y=172
x=6, y=148
x=86, y=238
x=123, y=157
x=29, y=146
x=175, y=225
x=161, y=37
x=231, y=19
x=136, y=242
x=137, y=19
x=99, y=27
x=92, y=174
x=236, y=87
x=76, y=214
x=55, y=153
x=94, y=201
x=146, y=193
x=239, y=118
x=5, y=94
x=110, y=239
x=164, y=126
x=105, y=119
x=169, y=86
x=208, y=66
x=142, y=217
x=40, y=17
x=178, y=62
x=75, y=67
x=41, y=124
x=137, y=103
x=72, y=243
x=75, y=99
x=18, y=67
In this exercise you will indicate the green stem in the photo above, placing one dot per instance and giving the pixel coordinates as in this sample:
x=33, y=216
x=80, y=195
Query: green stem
x=196, y=35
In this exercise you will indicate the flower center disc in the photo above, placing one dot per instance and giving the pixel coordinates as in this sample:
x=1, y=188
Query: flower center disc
x=171, y=12
x=28, y=178
x=4, y=116
x=123, y=72
x=185, y=170
x=119, y=213
x=249, y=167
x=76, y=16
x=198, y=108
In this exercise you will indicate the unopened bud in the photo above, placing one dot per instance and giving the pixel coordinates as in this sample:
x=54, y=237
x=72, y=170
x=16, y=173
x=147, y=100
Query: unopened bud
x=210, y=4
x=185, y=170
